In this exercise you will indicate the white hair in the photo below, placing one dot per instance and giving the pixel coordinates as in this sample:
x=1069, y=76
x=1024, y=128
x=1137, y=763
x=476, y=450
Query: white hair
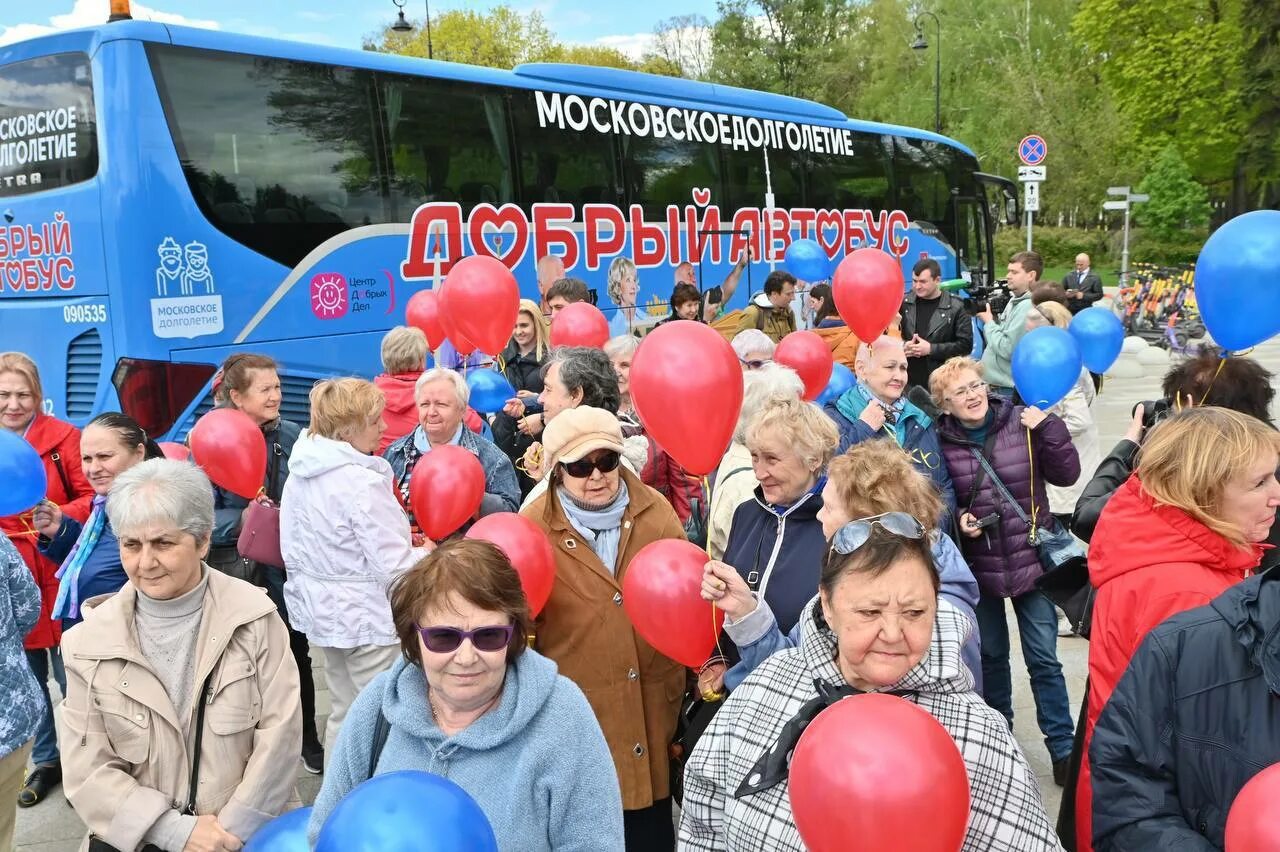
x=163, y=492
x=865, y=350
x=621, y=346
x=440, y=374
x=760, y=387
x=752, y=340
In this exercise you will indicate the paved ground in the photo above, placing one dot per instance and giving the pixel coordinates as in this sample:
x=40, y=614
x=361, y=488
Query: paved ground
x=52, y=826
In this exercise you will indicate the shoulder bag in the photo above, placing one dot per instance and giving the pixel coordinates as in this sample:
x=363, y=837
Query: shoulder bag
x=97, y=844
x=259, y=539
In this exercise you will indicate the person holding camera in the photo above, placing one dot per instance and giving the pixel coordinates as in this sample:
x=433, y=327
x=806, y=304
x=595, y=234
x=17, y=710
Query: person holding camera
x=1185, y=527
x=1003, y=334
x=1000, y=457
x=1240, y=384
x=935, y=325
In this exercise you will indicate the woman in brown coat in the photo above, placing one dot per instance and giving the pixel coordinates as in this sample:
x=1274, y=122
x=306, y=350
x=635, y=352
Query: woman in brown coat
x=597, y=516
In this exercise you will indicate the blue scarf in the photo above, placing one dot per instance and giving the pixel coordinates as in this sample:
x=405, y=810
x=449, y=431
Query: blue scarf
x=602, y=528
x=67, y=603
x=852, y=403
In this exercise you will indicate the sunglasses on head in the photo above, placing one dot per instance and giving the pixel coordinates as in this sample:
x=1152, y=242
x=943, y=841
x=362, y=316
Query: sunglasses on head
x=855, y=534
x=755, y=364
x=582, y=468
x=446, y=640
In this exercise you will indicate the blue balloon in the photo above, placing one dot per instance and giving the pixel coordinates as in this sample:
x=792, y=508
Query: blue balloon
x=842, y=379
x=407, y=811
x=1238, y=281
x=1100, y=335
x=1046, y=365
x=490, y=390
x=807, y=260
x=285, y=833
x=22, y=473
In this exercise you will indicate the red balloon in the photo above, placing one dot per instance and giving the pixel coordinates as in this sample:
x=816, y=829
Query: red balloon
x=686, y=386
x=660, y=592
x=862, y=768
x=231, y=450
x=868, y=287
x=175, y=451
x=526, y=545
x=1251, y=823
x=579, y=324
x=808, y=354
x=482, y=301
x=460, y=343
x=445, y=490
x=423, y=311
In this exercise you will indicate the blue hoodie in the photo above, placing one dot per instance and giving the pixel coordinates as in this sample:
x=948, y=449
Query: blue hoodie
x=537, y=763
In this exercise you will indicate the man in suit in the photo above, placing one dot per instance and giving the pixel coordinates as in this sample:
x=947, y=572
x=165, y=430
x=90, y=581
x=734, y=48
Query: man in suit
x=935, y=326
x=1083, y=286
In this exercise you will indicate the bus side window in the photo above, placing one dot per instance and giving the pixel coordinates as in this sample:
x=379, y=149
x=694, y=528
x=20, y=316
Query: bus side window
x=660, y=172
x=851, y=182
x=562, y=166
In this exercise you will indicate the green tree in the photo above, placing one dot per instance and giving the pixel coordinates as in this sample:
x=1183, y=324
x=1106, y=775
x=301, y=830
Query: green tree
x=1177, y=201
x=499, y=38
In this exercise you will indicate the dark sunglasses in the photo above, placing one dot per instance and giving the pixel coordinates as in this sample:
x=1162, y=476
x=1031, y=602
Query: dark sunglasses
x=754, y=364
x=582, y=468
x=446, y=640
x=855, y=534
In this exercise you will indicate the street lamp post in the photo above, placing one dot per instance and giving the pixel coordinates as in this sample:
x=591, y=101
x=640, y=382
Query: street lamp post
x=921, y=44
x=402, y=25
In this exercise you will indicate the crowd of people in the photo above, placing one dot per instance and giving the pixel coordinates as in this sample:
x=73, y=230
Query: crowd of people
x=869, y=545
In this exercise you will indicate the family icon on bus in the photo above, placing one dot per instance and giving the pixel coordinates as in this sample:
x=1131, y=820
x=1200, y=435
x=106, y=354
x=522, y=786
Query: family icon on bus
x=187, y=265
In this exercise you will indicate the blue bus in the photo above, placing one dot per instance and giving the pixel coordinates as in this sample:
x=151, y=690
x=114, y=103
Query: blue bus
x=172, y=195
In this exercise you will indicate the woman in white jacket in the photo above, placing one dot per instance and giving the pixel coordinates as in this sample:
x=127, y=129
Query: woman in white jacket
x=344, y=539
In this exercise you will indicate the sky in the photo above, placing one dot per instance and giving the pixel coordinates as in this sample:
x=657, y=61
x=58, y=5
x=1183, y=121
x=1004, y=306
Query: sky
x=624, y=25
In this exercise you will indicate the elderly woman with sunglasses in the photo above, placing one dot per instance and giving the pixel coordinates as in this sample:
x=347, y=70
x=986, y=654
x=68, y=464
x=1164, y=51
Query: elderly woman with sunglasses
x=871, y=482
x=876, y=625
x=468, y=700
x=597, y=515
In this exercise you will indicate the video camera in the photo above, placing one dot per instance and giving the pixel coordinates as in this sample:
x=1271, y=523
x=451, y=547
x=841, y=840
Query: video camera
x=995, y=295
x=1153, y=411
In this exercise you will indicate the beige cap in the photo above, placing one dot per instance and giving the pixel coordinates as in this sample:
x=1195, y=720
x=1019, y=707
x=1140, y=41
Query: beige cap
x=575, y=432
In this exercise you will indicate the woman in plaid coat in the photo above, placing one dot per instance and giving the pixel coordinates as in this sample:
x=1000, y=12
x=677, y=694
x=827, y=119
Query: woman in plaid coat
x=877, y=624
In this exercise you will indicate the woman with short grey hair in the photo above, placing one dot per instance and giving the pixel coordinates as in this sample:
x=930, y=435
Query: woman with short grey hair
x=183, y=662
x=754, y=349
x=733, y=482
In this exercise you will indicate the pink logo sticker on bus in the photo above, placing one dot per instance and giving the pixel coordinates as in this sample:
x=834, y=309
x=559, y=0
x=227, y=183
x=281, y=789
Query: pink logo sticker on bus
x=329, y=296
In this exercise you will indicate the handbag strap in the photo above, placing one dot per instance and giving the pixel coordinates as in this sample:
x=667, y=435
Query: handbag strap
x=205, y=698
x=56, y=458
x=381, y=729
x=273, y=479
x=1000, y=486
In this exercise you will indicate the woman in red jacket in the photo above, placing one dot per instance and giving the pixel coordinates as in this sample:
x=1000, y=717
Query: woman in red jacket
x=1186, y=526
x=58, y=444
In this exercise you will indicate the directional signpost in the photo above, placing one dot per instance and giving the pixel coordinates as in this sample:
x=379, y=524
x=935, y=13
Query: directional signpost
x=1032, y=150
x=1126, y=202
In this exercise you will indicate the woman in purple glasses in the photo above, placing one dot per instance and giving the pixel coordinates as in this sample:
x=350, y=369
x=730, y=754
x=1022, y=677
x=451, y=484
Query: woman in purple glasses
x=470, y=701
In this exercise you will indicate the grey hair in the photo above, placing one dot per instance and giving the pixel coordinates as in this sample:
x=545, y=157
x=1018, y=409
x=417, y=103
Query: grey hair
x=621, y=346
x=590, y=371
x=440, y=374
x=760, y=387
x=752, y=340
x=162, y=491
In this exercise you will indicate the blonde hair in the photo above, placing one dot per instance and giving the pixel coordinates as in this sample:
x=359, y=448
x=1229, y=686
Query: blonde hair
x=18, y=362
x=801, y=425
x=1187, y=461
x=541, y=332
x=947, y=373
x=617, y=271
x=1055, y=314
x=340, y=407
x=875, y=477
x=404, y=350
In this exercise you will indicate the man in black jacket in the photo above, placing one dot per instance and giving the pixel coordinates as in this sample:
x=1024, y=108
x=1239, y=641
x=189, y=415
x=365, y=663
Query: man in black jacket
x=935, y=326
x=1083, y=286
x=1194, y=718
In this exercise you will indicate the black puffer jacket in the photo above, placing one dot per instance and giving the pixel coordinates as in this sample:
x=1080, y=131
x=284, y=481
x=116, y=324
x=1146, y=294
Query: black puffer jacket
x=1196, y=715
x=525, y=373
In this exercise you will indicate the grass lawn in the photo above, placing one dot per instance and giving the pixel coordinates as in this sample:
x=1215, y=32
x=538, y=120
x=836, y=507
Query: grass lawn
x=1057, y=273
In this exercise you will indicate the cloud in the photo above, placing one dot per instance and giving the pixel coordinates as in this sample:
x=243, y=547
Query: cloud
x=88, y=13
x=633, y=46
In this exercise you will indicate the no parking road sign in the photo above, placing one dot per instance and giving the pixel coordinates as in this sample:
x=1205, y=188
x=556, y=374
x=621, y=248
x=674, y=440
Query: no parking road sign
x=1032, y=150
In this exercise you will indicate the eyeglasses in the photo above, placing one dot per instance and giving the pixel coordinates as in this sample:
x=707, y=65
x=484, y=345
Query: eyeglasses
x=754, y=364
x=583, y=468
x=446, y=640
x=855, y=534
x=972, y=388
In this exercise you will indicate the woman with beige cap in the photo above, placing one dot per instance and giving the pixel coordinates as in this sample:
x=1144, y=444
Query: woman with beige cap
x=597, y=515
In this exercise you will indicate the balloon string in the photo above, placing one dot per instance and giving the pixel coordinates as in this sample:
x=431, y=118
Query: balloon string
x=1221, y=363
x=719, y=694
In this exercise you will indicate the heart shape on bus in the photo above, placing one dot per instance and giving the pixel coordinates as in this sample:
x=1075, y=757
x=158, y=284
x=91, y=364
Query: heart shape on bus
x=830, y=220
x=490, y=228
x=13, y=274
x=701, y=196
